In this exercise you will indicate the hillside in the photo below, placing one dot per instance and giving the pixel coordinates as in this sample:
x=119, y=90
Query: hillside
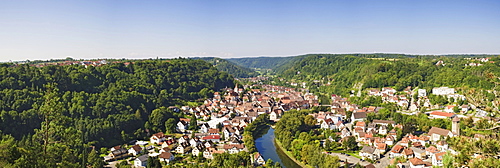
x=57, y=110
x=262, y=62
x=398, y=71
x=237, y=71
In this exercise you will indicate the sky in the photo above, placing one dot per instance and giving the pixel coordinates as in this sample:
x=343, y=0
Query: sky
x=90, y=29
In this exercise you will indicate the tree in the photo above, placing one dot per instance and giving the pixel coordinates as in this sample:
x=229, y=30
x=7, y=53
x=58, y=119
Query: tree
x=94, y=160
x=170, y=125
x=350, y=143
x=193, y=124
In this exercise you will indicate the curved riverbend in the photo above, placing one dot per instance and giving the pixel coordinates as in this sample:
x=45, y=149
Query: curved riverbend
x=267, y=147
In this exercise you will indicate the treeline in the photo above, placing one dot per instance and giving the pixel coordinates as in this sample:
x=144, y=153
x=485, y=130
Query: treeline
x=229, y=67
x=343, y=72
x=63, y=110
x=295, y=133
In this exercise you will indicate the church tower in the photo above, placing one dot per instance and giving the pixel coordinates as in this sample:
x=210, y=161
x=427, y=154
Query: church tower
x=455, y=126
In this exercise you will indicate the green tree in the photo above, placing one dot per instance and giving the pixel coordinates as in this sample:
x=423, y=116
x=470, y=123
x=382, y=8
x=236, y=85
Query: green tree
x=94, y=160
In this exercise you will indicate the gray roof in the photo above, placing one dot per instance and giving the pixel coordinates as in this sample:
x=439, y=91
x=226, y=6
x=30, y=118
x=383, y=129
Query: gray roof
x=143, y=158
x=368, y=149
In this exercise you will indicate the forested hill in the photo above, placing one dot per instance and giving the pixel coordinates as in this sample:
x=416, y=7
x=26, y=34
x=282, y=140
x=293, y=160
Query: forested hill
x=343, y=72
x=223, y=65
x=56, y=111
x=262, y=62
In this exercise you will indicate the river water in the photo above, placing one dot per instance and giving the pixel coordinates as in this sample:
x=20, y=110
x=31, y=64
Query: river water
x=265, y=145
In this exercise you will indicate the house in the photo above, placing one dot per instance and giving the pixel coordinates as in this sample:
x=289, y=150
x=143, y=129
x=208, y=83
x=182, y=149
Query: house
x=134, y=150
x=408, y=153
x=182, y=126
x=182, y=148
x=208, y=153
x=197, y=150
x=431, y=151
x=369, y=152
x=213, y=138
x=328, y=124
x=381, y=147
x=382, y=130
x=258, y=160
x=438, y=133
x=233, y=148
x=384, y=122
x=396, y=151
x=204, y=128
x=437, y=159
x=194, y=141
x=166, y=157
x=442, y=145
x=418, y=163
x=274, y=116
x=141, y=161
x=345, y=133
x=157, y=138
x=359, y=116
x=443, y=91
x=183, y=139
x=418, y=153
x=209, y=144
x=213, y=131
x=118, y=154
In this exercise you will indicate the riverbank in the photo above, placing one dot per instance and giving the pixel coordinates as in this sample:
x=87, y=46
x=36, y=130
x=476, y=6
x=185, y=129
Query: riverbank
x=288, y=154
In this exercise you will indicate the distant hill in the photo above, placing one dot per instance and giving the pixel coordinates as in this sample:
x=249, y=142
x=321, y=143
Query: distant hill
x=223, y=65
x=262, y=62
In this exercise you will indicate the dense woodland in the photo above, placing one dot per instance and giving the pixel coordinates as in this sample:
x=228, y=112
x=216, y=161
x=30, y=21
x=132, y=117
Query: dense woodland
x=52, y=116
x=229, y=67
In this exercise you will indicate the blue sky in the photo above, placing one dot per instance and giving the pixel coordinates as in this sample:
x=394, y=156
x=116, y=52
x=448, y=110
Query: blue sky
x=135, y=29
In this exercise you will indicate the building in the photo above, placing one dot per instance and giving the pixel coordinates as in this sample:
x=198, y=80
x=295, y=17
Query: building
x=443, y=91
x=141, y=161
x=438, y=133
x=455, y=126
x=422, y=92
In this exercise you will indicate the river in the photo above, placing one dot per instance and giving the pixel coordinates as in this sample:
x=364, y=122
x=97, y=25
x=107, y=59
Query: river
x=265, y=145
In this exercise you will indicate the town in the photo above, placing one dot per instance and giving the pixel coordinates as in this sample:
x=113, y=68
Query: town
x=380, y=143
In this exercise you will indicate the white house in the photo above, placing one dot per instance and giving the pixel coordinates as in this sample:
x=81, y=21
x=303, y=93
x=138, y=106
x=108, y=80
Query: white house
x=369, y=152
x=134, y=150
x=166, y=157
x=437, y=159
x=258, y=159
x=157, y=138
x=141, y=161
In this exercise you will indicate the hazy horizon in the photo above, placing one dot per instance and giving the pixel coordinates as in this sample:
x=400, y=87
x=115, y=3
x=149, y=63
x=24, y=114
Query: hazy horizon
x=35, y=30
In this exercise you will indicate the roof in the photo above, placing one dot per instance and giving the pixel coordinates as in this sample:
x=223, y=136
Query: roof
x=383, y=122
x=368, y=149
x=137, y=148
x=444, y=114
x=142, y=158
x=439, y=131
x=360, y=124
x=165, y=155
x=213, y=131
x=359, y=115
x=416, y=161
x=397, y=149
x=211, y=137
x=408, y=151
x=456, y=119
x=439, y=156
